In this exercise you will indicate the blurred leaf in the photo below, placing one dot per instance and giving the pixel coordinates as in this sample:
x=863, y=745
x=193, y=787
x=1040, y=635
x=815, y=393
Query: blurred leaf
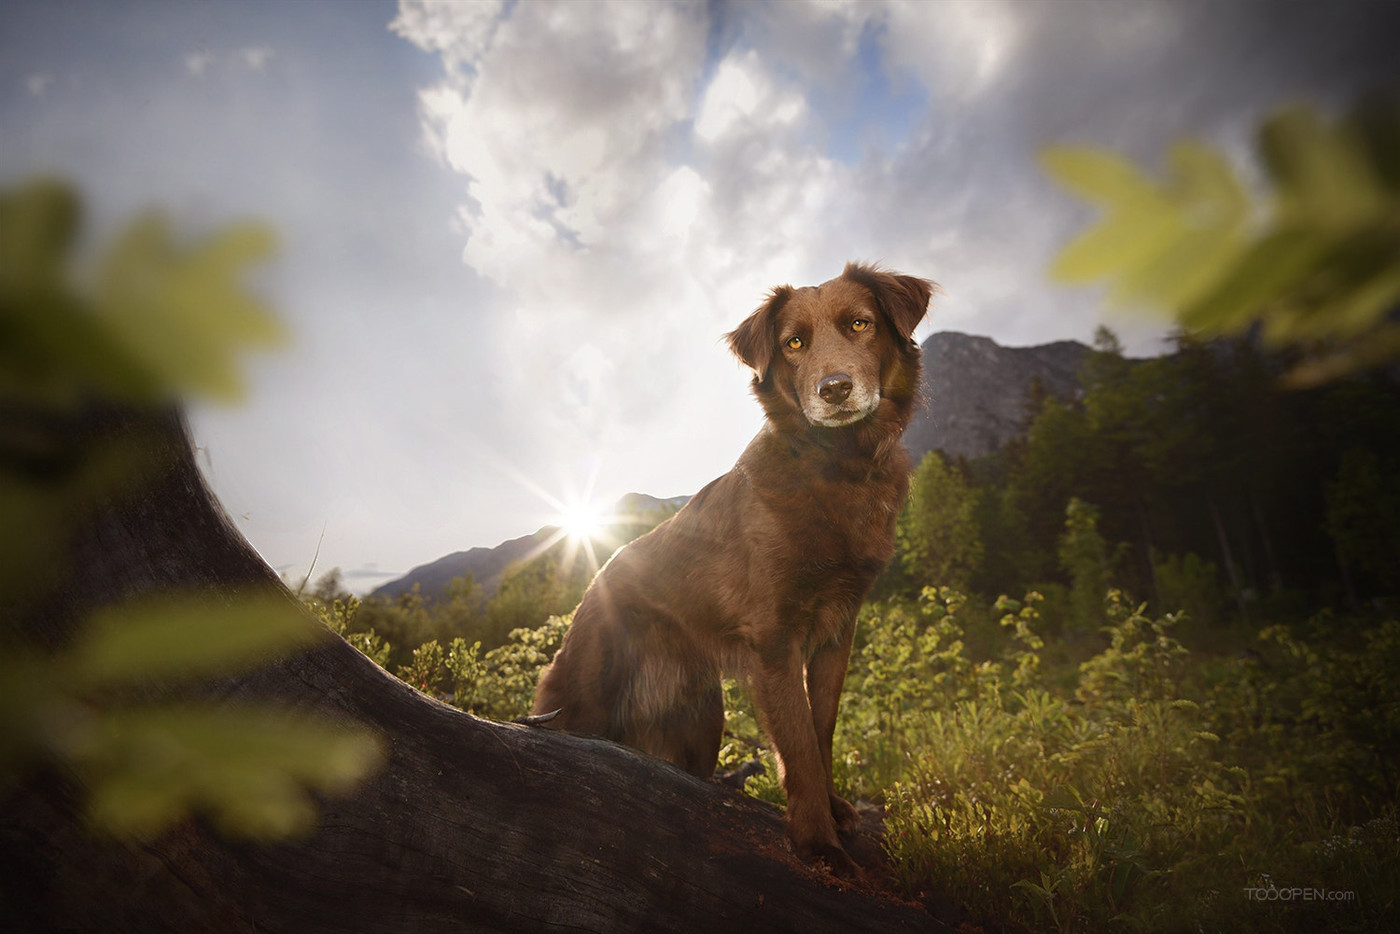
x=1157, y=241
x=1322, y=174
x=1380, y=349
x=1206, y=183
x=1271, y=266
x=1096, y=175
x=248, y=769
x=38, y=225
x=1127, y=240
x=49, y=346
x=162, y=320
x=1315, y=267
x=181, y=312
x=187, y=637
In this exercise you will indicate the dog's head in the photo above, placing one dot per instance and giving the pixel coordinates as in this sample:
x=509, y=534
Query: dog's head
x=836, y=351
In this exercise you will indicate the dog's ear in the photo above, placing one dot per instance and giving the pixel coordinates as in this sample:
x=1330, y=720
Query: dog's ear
x=902, y=299
x=755, y=340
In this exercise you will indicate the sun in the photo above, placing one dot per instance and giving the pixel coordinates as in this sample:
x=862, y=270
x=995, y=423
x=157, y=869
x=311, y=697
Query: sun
x=582, y=521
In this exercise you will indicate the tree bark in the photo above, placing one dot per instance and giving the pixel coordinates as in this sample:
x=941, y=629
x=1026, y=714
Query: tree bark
x=470, y=824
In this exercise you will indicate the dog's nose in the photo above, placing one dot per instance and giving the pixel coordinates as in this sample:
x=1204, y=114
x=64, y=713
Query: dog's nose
x=834, y=388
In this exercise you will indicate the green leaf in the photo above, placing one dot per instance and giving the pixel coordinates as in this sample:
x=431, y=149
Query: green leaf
x=163, y=319
x=188, y=637
x=1322, y=173
x=1124, y=241
x=1207, y=187
x=1186, y=267
x=181, y=312
x=248, y=769
x=1317, y=265
x=38, y=226
x=1265, y=271
x=1096, y=175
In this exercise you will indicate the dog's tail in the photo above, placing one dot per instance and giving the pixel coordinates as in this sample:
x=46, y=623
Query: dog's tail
x=538, y=719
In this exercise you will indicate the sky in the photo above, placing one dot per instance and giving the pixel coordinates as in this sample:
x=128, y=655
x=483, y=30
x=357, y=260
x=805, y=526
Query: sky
x=513, y=234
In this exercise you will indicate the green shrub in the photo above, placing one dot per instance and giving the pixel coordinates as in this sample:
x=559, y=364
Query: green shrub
x=1191, y=585
x=1152, y=794
x=1140, y=788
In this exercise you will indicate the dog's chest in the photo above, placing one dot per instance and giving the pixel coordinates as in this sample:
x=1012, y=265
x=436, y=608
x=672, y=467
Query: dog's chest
x=849, y=522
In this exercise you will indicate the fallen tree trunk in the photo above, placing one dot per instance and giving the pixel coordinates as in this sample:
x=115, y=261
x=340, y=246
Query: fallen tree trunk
x=469, y=825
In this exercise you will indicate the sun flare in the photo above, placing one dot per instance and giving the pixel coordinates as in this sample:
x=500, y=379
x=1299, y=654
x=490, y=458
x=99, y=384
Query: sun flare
x=582, y=521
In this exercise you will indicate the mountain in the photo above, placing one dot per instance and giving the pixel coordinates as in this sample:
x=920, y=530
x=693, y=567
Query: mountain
x=975, y=391
x=489, y=565
x=486, y=565
x=975, y=394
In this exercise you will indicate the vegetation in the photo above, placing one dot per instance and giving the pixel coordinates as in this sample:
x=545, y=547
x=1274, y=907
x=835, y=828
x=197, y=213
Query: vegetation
x=1315, y=266
x=1118, y=781
x=155, y=319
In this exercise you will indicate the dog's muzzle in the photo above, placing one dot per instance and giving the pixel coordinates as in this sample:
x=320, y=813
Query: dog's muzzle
x=839, y=402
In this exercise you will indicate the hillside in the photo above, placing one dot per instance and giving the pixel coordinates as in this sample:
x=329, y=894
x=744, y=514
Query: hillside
x=489, y=565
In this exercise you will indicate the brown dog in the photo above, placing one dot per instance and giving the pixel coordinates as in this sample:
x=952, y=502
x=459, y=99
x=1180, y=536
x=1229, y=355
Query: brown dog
x=762, y=572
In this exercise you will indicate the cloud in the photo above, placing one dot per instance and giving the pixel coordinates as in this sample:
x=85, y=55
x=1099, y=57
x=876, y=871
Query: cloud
x=256, y=57
x=459, y=32
x=635, y=191
x=198, y=62
x=252, y=57
x=38, y=84
x=636, y=176
x=742, y=99
x=959, y=49
x=560, y=118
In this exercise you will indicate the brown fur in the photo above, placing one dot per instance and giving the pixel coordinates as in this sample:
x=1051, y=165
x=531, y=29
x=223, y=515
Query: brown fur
x=762, y=572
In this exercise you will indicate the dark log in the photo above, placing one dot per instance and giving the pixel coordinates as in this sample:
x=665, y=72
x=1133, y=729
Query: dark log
x=470, y=824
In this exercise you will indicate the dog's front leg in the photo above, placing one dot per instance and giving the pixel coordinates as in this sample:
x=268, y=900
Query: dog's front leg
x=826, y=673
x=782, y=701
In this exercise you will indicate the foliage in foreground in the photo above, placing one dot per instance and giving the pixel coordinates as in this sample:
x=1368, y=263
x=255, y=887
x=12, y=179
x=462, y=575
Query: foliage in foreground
x=115, y=710
x=1316, y=266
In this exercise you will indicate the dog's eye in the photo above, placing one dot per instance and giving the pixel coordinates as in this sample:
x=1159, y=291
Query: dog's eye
x=860, y=324
x=794, y=343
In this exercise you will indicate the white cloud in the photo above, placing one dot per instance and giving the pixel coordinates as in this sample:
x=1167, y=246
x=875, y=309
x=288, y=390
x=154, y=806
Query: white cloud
x=742, y=98
x=459, y=31
x=256, y=57
x=197, y=63
x=958, y=48
x=635, y=186
x=38, y=84
x=634, y=208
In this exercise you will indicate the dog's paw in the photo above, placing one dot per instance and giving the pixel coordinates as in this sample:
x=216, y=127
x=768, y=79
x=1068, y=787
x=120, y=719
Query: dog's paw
x=844, y=813
x=833, y=857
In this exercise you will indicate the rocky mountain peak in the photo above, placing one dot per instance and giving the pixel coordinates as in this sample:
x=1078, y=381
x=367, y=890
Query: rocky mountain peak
x=975, y=391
